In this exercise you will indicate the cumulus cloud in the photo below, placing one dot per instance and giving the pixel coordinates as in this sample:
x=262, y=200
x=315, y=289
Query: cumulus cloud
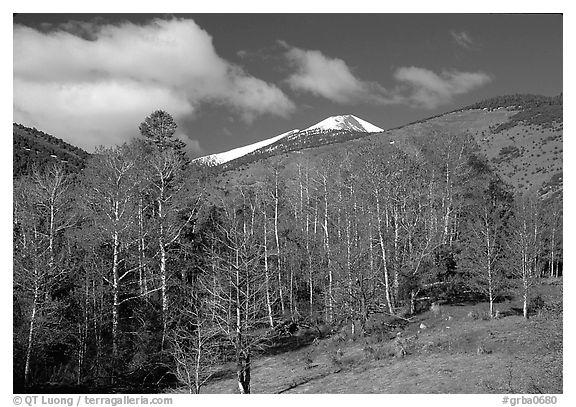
x=93, y=84
x=90, y=114
x=425, y=88
x=330, y=78
x=462, y=38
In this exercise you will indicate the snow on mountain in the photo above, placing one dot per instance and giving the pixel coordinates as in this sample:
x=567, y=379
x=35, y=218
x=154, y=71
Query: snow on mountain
x=332, y=124
x=345, y=122
x=221, y=158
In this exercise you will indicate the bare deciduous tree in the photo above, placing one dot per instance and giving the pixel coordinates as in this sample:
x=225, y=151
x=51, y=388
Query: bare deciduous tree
x=41, y=213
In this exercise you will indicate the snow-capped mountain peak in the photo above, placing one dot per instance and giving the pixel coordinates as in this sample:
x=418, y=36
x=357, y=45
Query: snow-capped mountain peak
x=326, y=128
x=345, y=122
x=221, y=158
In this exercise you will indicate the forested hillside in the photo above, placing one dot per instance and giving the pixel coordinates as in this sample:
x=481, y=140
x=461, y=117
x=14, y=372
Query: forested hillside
x=147, y=272
x=32, y=148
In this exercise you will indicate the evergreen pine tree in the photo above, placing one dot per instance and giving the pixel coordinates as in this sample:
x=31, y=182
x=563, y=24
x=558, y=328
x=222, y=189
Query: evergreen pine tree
x=159, y=129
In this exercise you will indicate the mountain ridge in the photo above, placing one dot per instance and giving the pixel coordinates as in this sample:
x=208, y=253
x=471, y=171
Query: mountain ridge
x=525, y=152
x=345, y=122
x=520, y=136
x=33, y=149
x=229, y=155
x=332, y=124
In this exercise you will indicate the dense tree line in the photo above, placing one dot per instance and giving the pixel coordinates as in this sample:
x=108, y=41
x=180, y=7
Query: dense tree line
x=545, y=116
x=524, y=101
x=33, y=149
x=33, y=132
x=149, y=270
x=543, y=111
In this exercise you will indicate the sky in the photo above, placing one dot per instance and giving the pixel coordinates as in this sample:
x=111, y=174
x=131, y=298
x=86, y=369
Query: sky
x=235, y=79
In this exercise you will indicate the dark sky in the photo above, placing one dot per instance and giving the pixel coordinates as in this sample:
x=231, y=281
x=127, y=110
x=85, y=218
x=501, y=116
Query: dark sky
x=234, y=79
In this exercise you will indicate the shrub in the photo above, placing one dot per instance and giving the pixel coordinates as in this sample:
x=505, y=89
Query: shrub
x=378, y=352
x=308, y=360
x=436, y=309
x=399, y=347
x=536, y=304
x=369, y=352
x=379, y=336
x=481, y=350
x=336, y=358
x=485, y=316
x=473, y=315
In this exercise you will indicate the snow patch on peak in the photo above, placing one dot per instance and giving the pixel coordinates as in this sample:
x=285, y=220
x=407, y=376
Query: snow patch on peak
x=346, y=122
x=335, y=123
x=221, y=158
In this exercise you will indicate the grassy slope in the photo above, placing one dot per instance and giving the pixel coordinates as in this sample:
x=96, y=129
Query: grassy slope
x=516, y=356
x=531, y=159
x=537, y=160
x=535, y=155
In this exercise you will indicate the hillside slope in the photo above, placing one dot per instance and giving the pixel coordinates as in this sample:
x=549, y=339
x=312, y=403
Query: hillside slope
x=221, y=158
x=32, y=148
x=334, y=129
x=460, y=350
x=526, y=156
x=525, y=153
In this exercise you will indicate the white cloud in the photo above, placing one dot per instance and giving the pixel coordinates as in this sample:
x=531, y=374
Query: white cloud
x=462, y=38
x=97, y=90
x=330, y=78
x=259, y=96
x=425, y=88
x=91, y=114
x=193, y=147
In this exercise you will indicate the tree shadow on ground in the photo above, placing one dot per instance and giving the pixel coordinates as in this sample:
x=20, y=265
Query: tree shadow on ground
x=300, y=339
x=226, y=372
x=512, y=311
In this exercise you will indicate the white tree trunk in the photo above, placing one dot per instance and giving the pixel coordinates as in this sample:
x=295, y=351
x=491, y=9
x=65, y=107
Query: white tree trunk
x=267, y=274
x=328, y=255
x=198, y=359
x=280, y=290
x=384, y=260
x=349, y=271
x=525, y=299
x=489, y=271
x=163, y=290
x=396, y=282
x=552, y=247
x=116, y=294
x=142, y=283
x=310, y=275
x=309, y=253
x=31, y=332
